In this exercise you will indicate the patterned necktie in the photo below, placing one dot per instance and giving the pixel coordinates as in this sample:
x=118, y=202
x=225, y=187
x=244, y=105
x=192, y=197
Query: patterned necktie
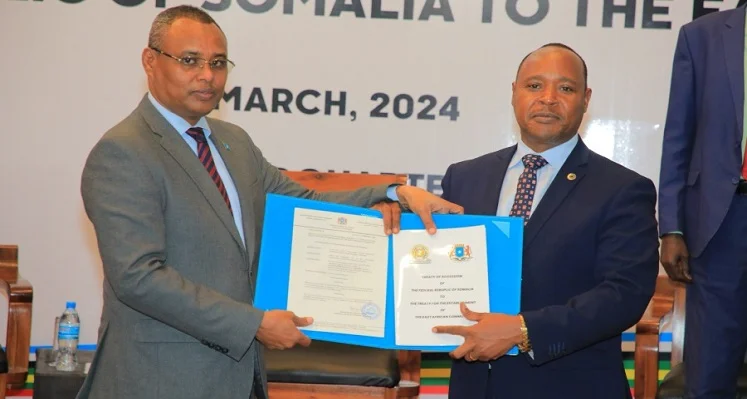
x=525, y=188
x=206, y=157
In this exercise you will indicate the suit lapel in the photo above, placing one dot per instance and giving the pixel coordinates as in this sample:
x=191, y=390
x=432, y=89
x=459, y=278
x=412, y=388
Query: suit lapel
x=241, y=174
x=173, y=143
x=559, y=189
x=733, y=38
x=495, y=175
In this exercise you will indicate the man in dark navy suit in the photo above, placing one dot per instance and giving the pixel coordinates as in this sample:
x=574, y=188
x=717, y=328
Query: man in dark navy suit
x=590, y=256
x=703, y=198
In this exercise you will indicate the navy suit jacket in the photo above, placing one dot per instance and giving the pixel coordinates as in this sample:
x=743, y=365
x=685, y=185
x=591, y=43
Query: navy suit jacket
x=590, y=263
x=701, y=154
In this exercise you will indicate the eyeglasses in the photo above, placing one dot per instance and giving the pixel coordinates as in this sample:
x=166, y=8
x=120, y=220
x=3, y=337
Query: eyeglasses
x=193, y=63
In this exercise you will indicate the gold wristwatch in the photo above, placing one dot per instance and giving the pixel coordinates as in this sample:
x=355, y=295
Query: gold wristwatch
x=525, y=345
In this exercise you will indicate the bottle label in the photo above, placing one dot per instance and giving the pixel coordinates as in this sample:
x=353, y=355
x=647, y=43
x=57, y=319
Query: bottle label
x=68, y=332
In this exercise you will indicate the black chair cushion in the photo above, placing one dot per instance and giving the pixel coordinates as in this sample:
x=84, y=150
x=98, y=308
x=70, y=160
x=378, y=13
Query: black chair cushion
x=673, y=384
x=332, y=363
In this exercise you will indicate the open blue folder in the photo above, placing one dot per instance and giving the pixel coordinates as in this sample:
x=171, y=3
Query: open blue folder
x=504, y=236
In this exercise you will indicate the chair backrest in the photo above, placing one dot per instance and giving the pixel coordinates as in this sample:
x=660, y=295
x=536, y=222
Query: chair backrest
x=329, y=181
x=9, y=263
x=409, y=361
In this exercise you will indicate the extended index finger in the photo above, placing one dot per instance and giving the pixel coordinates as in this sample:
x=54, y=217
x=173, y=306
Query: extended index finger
x=453, y=330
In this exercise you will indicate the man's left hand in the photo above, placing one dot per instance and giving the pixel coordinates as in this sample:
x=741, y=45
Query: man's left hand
x=390, y=213
x=490, y=338
x=423, y=203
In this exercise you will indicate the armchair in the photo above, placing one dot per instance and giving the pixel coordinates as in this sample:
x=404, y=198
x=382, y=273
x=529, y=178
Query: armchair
x=20, y=295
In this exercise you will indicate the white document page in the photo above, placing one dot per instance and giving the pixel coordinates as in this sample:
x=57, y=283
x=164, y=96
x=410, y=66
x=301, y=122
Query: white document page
x=338, y=272
x=432, y=275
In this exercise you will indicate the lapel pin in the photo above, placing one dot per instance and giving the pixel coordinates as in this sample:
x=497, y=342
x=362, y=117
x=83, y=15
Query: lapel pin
x=571, y=176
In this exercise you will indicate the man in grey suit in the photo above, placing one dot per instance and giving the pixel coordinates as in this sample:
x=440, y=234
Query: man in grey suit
x=177, y=203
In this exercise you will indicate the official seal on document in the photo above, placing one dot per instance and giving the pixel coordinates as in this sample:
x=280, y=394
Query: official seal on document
x=419, y=254
x=370, y=311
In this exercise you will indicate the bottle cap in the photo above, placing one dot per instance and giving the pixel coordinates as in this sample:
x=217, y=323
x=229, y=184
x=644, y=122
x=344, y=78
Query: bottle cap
x=70, y=305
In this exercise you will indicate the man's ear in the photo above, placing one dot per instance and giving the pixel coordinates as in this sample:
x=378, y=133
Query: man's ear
x=148, y=58
x=587, y=98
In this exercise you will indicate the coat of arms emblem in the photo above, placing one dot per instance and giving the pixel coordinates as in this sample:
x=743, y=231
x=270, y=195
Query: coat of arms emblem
x=460, y=252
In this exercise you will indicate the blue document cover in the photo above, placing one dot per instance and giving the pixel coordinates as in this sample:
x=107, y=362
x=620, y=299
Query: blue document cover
x=504, y=238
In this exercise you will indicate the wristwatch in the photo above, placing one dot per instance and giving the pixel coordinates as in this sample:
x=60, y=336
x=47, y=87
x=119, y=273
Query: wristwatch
x=525, y=345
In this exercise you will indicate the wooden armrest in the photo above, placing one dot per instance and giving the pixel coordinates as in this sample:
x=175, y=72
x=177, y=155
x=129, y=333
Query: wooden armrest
x=659, y=307
x=647, y=332
x=409, y=365
x=661, y=304
x=21, y=291
x=20, y=297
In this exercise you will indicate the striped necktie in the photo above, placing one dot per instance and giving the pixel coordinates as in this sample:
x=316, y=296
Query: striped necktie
x=206, y=157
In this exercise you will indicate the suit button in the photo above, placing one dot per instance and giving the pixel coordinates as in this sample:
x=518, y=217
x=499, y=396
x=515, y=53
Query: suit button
x=734, y=180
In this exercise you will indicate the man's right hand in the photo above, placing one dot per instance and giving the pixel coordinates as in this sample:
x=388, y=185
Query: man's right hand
x=279, y=330
x=675, y=258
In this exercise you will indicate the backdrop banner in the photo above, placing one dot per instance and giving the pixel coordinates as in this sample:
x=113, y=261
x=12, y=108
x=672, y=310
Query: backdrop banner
x=374, y=86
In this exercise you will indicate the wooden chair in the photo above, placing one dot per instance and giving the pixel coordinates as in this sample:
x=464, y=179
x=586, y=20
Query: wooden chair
x=20, y=297
x=668, y=304
x=285, y=384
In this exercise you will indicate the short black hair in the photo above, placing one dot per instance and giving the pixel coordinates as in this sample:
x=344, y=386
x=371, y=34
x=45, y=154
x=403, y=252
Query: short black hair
x=167, y=17
x=563, y=46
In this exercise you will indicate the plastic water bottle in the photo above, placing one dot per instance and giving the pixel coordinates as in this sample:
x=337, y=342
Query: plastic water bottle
x=67, y=339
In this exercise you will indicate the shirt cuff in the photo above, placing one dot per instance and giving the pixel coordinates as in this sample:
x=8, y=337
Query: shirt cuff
x=391, y=192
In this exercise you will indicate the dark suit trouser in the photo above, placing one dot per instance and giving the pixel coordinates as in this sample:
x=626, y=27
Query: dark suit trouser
x=716, y=310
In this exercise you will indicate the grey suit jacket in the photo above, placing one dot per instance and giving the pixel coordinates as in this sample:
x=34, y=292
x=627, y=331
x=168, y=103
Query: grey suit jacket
x=177, y=320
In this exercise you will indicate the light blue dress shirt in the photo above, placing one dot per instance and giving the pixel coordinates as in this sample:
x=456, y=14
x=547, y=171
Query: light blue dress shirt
x=182, y=126
x=555, y=157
